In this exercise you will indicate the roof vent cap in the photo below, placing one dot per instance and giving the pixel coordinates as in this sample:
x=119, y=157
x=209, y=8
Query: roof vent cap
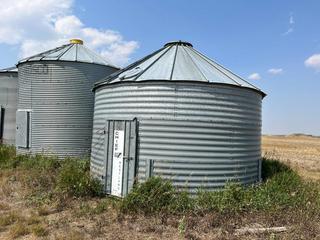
x=178, y=43
x=76, y=41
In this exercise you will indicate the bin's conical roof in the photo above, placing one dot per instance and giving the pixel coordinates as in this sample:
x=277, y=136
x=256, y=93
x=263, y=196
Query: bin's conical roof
x=177, y=61
x=75, y=51
x=9, y=70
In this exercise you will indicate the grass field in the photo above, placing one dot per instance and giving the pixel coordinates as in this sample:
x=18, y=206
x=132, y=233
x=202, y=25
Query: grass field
x=43, y=199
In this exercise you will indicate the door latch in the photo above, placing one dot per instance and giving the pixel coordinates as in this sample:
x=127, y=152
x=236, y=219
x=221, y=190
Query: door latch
x=127, y=158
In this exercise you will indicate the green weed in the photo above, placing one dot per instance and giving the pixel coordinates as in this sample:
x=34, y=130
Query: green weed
x=74, y=178
x=48, y=175
x=282, y=189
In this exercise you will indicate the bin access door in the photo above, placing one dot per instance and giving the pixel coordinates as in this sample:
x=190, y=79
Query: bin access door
x=1, y=123
x=120, y=156
x=22, y=128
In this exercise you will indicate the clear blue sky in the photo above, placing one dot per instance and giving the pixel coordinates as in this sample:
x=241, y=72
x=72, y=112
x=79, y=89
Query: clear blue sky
x=245, y=36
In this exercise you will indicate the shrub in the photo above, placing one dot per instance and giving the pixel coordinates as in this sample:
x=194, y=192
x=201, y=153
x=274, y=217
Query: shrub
x=74, y=178
x=154, y=195
x=181, y=202
x=231, y=198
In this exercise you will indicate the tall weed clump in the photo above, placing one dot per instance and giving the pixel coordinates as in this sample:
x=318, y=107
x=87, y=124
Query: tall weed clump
x=156, y=195
x=51, y=175
x=7, y=156
x=74, y=179
x=282, y=189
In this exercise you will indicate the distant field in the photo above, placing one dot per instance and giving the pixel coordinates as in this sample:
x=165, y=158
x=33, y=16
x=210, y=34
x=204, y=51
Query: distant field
x=300, y=151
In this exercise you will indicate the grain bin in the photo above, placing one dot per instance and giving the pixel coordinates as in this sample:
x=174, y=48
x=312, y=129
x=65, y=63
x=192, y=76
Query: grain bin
x=55, y=101
x=8, y=104
x=179, y=115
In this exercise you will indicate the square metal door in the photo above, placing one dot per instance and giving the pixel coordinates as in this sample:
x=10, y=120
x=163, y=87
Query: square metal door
x=120, y=156
x=22, y=128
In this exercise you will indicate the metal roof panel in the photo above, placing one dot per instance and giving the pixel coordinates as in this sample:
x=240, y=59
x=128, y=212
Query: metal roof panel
x=185, y=68
x=161, y=67
x=177, y=61
x=10, y=69
x=74, y=51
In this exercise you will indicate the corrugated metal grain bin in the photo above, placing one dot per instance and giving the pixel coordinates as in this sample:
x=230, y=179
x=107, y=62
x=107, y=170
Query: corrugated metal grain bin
x=179, y=115
x=55, y=101
x=8, y=105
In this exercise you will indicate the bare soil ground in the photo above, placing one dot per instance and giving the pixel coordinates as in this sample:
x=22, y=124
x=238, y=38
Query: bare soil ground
x=21, y=217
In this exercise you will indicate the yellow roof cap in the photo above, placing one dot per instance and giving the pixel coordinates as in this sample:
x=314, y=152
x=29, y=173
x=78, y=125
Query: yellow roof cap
x=76, y=41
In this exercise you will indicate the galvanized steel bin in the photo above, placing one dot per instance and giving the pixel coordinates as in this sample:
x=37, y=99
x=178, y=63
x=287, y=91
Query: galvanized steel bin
x=55, y=101
x=198, y=134
x=8, y=105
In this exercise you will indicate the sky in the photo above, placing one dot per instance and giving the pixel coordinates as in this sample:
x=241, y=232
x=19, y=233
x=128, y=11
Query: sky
x=274, y=44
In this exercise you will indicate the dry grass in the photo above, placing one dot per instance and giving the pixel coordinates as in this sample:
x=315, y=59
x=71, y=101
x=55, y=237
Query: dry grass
x=4, y=206
x=39, y=230
x=300, y=152
x=44, y=211
x=32, y=217
x=9, y=218
x=17, y=230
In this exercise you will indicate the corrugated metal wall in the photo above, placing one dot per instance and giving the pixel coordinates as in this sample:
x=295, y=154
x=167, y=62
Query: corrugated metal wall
x=61, y=102
x=8, y=100
x=196, y=134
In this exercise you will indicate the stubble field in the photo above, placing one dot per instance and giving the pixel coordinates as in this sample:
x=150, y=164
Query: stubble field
x=301, y=152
